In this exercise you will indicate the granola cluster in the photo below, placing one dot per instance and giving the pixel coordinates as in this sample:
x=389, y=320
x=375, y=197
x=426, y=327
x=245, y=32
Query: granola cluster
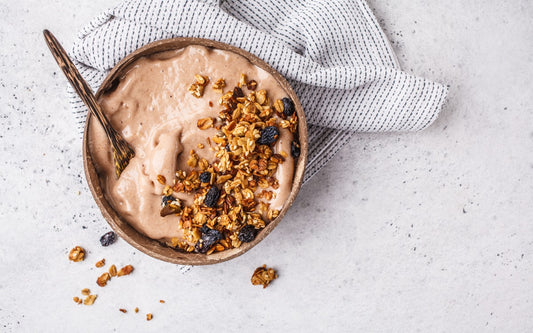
x=77, y=254
x=231, y=194
x=263, y=276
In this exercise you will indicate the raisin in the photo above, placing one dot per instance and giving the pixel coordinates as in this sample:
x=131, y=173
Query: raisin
x=247, y=233
x=269, y=135
x=205, y=177
x=212, y=196
x=208, y=239
x=288, y=106
x=166, y=200
x=295, y=149
x=108, y=238
x=237, y=92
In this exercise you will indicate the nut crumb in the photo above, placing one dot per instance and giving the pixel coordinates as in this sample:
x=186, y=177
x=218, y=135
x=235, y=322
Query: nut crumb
x=89, y=300
x=76, y=300
x=161, y=301
x=100, y=263
x=122, y=310
x=102, y=280
x=263, y=276
x=200, y=146
x=85, y=291
x=126, y=270
x=77, y=254
x=136, y=310
x=113, y=270
x=149, y=316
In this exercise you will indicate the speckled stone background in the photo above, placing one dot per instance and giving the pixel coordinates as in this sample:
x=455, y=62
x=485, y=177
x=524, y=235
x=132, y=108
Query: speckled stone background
x=429, y=231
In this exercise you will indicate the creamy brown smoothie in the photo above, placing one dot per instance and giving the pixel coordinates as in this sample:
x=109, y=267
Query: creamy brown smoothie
x=155, y=111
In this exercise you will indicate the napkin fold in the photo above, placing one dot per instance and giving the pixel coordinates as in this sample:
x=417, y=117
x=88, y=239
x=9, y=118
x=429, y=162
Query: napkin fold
x=333, y=53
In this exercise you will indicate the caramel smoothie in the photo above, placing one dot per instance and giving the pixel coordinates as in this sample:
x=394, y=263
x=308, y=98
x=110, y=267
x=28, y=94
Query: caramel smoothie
x=154, y=110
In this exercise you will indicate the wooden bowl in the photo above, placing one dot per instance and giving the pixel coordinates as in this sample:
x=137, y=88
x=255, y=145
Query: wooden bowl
x=153, y=247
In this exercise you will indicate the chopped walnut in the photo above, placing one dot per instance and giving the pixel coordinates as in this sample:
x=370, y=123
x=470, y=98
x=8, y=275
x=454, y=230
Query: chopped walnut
x=77, y=254
x=136, y=310
x=263, y=276
x=122, y=310
x=76, y=300
x=85, y=291
x=149, y=316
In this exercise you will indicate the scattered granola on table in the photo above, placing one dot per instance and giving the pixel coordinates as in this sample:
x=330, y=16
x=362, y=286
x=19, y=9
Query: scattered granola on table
x=263, y=276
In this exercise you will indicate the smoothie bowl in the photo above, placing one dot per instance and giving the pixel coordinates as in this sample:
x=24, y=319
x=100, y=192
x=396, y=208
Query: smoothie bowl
x=220, y=144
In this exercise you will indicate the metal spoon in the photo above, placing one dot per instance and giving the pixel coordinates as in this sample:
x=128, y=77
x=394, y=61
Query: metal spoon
x=122, y=151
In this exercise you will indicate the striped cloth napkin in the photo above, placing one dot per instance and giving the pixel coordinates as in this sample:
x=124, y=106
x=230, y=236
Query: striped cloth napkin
x=333, y=53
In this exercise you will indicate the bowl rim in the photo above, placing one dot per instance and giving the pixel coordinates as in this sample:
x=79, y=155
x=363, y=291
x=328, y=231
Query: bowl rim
x=153, y=247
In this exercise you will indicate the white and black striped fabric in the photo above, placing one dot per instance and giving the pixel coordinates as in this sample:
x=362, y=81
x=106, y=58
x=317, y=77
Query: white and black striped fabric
x=333, y=53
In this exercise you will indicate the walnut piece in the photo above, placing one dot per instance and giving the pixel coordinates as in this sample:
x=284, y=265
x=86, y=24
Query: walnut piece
x=77, y=254
x=149, y=316
x=85, y=291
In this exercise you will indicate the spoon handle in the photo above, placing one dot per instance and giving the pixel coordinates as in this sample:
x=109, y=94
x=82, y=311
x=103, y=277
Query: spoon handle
x=78, y=83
